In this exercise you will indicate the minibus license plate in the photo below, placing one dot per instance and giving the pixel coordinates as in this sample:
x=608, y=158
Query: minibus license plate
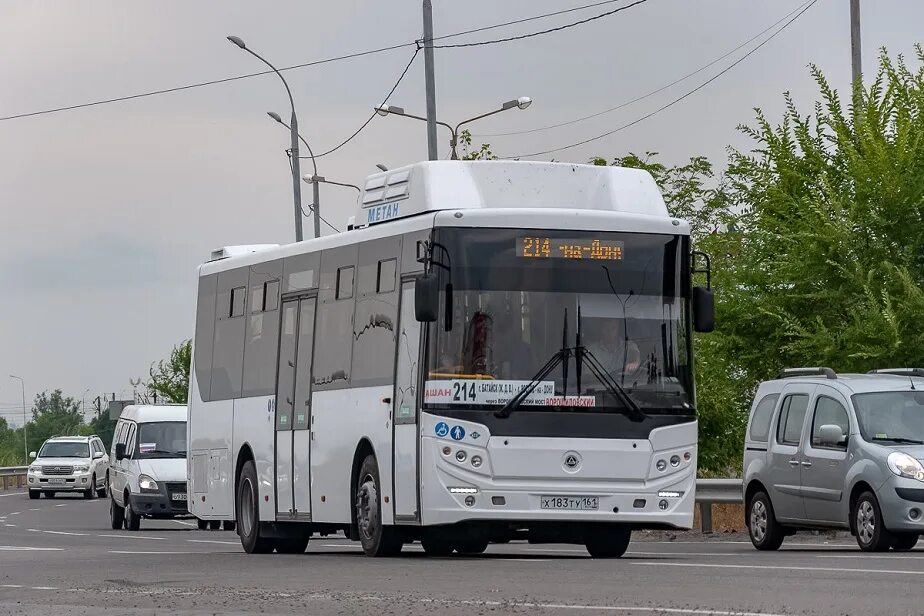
x=179, y=496
x=569, y=502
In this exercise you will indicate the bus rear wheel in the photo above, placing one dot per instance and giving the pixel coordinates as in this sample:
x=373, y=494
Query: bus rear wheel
x=376, y=538
x=248, y=512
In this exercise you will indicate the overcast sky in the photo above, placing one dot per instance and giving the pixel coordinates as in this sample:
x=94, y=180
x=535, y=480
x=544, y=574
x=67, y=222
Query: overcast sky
x=108, y=210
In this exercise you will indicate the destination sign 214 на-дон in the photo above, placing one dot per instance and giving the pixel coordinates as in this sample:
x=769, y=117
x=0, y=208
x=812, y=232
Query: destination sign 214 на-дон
x=531, y=247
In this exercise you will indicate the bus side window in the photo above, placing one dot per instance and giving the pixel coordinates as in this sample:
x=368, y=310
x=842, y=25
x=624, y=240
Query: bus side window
x=331, y=369
x=262, y=335
x=205, y=334
x=228, y=348
x=375, y=324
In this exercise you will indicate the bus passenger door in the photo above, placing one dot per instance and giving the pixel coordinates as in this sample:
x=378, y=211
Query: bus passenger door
x=301, y=421
x=285, y=404
x=405, y=410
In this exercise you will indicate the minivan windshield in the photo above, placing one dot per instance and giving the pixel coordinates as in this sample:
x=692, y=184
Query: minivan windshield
x=64, y=449
x=161, y=439
x=891, y=416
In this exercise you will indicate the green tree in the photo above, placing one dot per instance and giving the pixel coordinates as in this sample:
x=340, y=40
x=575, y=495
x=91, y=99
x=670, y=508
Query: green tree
x=169, y=379
x=53, y=414
x=482, y=153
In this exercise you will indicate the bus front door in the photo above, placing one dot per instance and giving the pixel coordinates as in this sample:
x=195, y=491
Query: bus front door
x=405, y=411
x=293, y=410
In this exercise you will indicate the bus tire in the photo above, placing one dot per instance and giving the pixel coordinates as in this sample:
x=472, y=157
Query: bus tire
x=609, y=541
x=214, y=524
x=436, y=546
x=227, y=525
x=294, y=545
x=470, y=547
x=202, y=524
x=248, y=512
x=376, y=538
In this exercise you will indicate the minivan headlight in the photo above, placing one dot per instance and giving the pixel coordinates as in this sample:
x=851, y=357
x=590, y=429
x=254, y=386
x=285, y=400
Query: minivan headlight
x=904, y=465
x=147, y=484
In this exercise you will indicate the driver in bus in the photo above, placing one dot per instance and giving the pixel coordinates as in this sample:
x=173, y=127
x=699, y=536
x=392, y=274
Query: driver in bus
x=620, y=358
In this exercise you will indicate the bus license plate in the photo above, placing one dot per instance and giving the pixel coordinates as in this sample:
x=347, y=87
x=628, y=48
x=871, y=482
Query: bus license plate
x=569, y=502
x=179, y=496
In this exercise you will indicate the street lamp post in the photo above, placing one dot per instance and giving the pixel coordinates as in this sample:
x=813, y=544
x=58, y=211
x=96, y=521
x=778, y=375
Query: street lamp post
x=316, y=194
x=293, y=123
x=520, y=103
x=25, y=441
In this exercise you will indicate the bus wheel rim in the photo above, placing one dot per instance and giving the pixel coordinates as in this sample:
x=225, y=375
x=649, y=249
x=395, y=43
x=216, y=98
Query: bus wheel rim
x=247, y=513
x=367, y=507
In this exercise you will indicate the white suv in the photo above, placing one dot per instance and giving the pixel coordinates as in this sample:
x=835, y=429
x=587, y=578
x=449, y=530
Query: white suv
x=69, y=464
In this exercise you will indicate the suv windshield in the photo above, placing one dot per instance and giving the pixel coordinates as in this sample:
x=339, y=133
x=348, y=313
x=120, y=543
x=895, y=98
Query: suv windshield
x=161, y=439
x=64, y=449
x=520, y=296
x=896, y=416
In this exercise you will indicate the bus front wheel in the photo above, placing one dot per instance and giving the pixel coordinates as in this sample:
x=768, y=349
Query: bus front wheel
x=376, y=538
x=248, y=512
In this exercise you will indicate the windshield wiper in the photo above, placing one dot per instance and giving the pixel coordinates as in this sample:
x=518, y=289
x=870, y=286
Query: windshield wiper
x=561, y=355
x=898, y=439
x=635, y=413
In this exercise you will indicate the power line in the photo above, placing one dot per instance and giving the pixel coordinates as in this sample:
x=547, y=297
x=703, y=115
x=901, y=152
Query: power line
x=349, y=56
x=653, y=92
x=543, y=32
x=676, y=100
x=371, y=117
x=525, y=20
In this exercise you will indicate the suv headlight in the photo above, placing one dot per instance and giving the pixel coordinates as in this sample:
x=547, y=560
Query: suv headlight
x=147, y=484
x=36, y=468
x=904, y=465
x=82, y=468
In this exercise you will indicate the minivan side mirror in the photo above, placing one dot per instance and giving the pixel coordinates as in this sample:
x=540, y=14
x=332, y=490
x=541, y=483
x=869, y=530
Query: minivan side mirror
x=703, y=310
x=830, y=435
x=426, y=298
x=97, y=455
x=120, y=451
x=31, y=455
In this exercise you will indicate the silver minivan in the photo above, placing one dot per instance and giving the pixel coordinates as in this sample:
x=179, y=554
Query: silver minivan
x=841, y=451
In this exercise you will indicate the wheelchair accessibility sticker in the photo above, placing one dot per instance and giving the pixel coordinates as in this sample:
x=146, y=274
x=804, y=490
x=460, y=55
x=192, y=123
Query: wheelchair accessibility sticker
x=442, y=429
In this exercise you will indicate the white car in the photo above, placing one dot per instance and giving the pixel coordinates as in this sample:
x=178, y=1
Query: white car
x=69, y=464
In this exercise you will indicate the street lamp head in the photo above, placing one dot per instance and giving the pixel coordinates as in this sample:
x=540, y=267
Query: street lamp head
x=275, y=116
x=384, y=110
x=523, y=102
x=237, y=41
x=311, y=179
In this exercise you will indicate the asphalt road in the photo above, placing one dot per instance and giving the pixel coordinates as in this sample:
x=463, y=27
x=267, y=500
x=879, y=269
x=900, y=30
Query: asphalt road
x=60, y=557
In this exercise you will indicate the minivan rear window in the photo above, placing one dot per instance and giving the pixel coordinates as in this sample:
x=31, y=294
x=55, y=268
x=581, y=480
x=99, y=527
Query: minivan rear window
x=760, y=419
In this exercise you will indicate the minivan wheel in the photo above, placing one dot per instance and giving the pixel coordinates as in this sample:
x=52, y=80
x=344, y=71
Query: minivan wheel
x=248, y=512
x=132, y=517
x=872, y=535
x=904, y=542
x=607, y=541
x=765, y=532
x=116, y=514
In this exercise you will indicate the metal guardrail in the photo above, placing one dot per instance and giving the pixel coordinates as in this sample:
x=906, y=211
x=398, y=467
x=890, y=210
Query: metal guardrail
x=709, y=491
x=13, y=476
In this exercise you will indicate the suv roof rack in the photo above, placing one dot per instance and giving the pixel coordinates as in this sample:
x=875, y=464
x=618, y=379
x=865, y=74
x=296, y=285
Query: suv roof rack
x=899, y=371
x=814, y=371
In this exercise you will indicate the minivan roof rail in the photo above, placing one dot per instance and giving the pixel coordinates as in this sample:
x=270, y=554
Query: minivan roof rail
x=813, y=371
x=899, y=371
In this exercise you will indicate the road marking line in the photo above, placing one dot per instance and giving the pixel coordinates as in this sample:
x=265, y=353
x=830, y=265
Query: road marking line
x=44, y=588
x=10, y=585
x=599, y=608
x=61, y=505
x=13, y=494
x=859, y=555
x=61, y=532
x=134, y=537
x=211, y=541
x=164, y=552
x=22, y=548
x=783, y=567
x=10, y=525
x=35, y=510
x=16, y=513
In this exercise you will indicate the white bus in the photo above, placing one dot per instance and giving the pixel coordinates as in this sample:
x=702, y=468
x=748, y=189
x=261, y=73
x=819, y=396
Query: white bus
x=493, y=350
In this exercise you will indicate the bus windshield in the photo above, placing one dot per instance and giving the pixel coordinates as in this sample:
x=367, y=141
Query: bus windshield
x=518, y=297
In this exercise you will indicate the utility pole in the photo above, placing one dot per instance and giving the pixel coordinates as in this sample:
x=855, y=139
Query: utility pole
x=430, y=83
x=316, y=195
x=855, y=42
x=297, y=183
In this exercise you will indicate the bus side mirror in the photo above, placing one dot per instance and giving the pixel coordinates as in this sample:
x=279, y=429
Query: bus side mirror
x=426, y=298
x=703, y=310
x=120, y=451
